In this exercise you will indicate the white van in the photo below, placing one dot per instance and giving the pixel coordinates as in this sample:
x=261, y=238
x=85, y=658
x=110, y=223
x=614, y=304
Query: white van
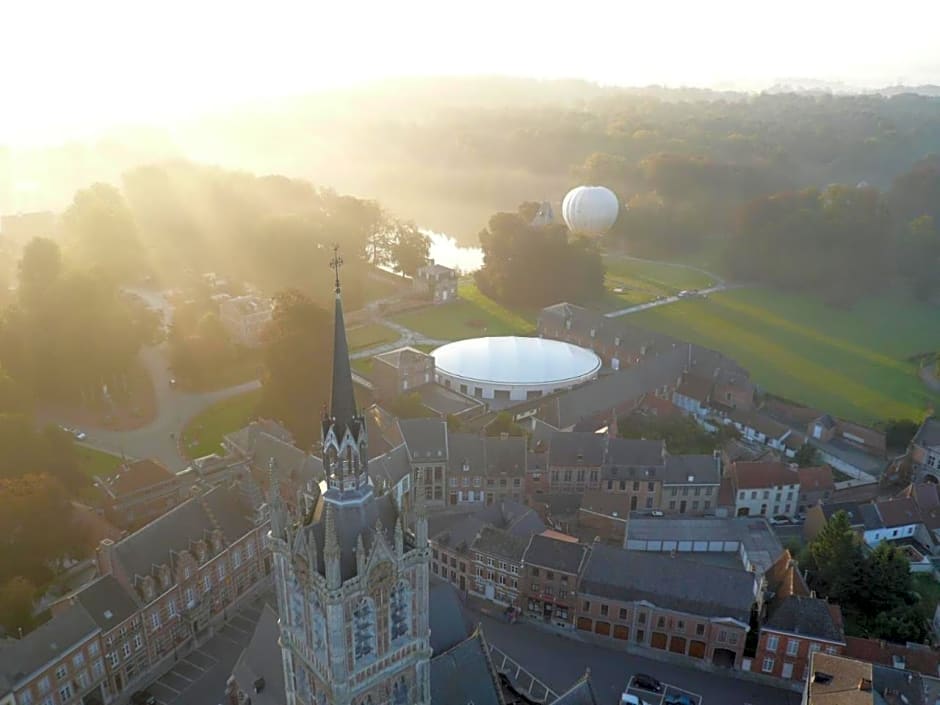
x=630, y=699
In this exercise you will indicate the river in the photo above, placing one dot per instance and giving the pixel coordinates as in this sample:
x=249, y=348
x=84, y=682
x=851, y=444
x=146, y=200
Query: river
x=446, y=251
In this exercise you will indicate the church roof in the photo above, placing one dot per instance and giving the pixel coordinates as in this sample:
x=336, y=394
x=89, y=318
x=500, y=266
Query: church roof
x=449, y=621
x=464, y=674
x=342, y=396
x=352, y=520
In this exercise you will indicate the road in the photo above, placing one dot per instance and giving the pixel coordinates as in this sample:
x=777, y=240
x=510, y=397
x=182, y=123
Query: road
x=559, y=661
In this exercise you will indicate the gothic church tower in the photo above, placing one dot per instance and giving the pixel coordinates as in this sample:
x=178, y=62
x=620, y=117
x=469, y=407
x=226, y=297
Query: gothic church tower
x=352, y=587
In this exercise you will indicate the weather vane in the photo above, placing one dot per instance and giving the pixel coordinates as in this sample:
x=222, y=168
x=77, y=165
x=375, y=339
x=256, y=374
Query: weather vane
x=335, y=264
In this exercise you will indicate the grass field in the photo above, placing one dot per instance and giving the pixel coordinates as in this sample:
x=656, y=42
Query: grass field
x=472, y=315
x=96, y=462
x=629, y=282
x=203, y=434
x=851, y=363
x=368, y=335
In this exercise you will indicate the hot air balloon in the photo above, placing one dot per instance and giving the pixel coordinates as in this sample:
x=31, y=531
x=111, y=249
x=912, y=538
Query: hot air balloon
x=590, y=210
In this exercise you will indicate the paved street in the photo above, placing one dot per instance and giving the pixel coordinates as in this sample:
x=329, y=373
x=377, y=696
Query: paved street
x=559, y=661
x=199, y=678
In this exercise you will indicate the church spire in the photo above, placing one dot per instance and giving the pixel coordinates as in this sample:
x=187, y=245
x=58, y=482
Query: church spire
x=342, y=398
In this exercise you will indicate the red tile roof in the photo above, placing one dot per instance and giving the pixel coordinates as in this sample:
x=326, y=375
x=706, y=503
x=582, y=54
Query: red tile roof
x=748, y=475
x=920, y=659
x=694, y=387
x=726, y=493
x=818, y=479
x=898, y=512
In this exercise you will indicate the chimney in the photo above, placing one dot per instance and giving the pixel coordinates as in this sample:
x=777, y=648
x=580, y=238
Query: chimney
x=864, y=684
x=103, y=557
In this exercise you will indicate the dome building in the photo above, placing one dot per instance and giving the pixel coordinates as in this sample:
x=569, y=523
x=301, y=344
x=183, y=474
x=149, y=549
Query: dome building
x=512, y=369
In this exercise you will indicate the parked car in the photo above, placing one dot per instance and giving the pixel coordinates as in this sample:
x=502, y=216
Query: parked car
x=780, y=519
x=79, y=435
x=680, y=699
x=647, y=682
x=631, y=699
x=657, y=513
x=142, y=697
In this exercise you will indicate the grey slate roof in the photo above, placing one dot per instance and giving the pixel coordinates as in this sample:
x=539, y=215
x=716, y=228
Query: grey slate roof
x=465, y=449
x=563, y=556
x=581, y=693
x=449, y=622
x=391, y=467
x=600, y=396
x=691, y=470
x=852, y=509
x=464, y=675
x=46, y=643
x=870, y=517
x=672, y=583
x=426, y=439
x=928, y=435
x=505, y=456
x=631, y=451
x=807, y=616
x=500, y=543
x=262, y=659
x=222, y=507
x=576, y=448
x=352, y=520
x=107, y=602
x=456, y=529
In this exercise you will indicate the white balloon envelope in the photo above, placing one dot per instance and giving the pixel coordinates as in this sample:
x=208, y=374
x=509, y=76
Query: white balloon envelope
x=590, y=210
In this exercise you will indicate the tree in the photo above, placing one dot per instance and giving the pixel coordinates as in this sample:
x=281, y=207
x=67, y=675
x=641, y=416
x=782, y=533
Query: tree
x=503, y=423
x=918, y=255
x=409, y=249
x=297, y=353
x=14, y=398
x=39, y=270
x=409, y=406
x=16, y=605
x=887, y=579
x=836, y=561
x=807, y=456
x=901, y=624
x=899, y=433
x=101, y=228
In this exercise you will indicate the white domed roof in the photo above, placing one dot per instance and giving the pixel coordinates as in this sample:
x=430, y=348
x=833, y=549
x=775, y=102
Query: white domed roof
x=515, y=361
x=590, y=210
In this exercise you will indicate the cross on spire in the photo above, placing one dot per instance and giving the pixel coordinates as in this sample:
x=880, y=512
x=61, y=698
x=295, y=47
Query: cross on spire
x=335, y=264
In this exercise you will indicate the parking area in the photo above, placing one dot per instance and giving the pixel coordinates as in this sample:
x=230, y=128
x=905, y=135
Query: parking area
x=199, y=677
x=670, y=695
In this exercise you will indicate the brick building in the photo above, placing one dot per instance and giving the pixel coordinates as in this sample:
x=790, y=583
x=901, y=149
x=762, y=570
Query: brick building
x=401, y=371
x=550, y=573
x=666, y=602
x=794, y=624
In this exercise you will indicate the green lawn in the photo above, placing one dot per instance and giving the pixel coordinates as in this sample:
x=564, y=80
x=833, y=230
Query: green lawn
x=368, y=335
x=96, y=462
x=472, y=315
x=929, y=590
x=629, y=282
x=203, y=434
x=853, y=363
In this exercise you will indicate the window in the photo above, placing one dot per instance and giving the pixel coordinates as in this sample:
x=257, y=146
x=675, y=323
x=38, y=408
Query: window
x=206, y=582
x=26, y=698
x=65, y=692
x=535, y=571
x=452, y=482
x=50, y=700
x=93, y=648
x=772, y=642
x=697, y=491
x=61, y=672
x=680, y=626
x=623, y=613
x=700, y=630
x=831, y=650
x=220, y=571
x=649, y=502
x=707, y=504
x=673, y=492
x=722, y=636
x=814, y=647
x=766, y=494
x=187, y=573
x=768, y=665
x=78, y=660
x=685, y=491
x=138, y=642
x=127, y=650
x=694, y=504
x=672, y=504
x=237, y=558
x=83, y=680
x=97, y=668
x=636, y=486
x=586, y=607
x=250, y=548
x=114, y=659
x=660, y=622
x=792, y=647
x=562, y=594
x=171, y=606
x=44, y=685
x=190, y=597
x=515, y=583
x=641, y=618
x=549, y=575
x=604, y=610
x=155, y=619
x=534, y=586
x=651, y=486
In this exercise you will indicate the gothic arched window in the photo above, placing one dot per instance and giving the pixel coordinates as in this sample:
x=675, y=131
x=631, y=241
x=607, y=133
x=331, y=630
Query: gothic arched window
x=364, y=629
x=400, y=692
x=317, y=636
x=296, y=597
x=400, y=610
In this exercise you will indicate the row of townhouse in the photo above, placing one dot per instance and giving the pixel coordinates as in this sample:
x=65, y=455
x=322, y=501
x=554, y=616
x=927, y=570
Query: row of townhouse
x=159, y=592
x=630, y=474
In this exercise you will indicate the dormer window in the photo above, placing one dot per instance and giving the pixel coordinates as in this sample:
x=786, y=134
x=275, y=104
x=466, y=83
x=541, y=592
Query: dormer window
x=593, y=332
x=568, y=324
x=617, y=341
x=466, y=466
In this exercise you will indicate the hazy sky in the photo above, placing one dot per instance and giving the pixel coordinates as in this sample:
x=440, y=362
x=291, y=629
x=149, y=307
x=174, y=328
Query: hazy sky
x=70, y=65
